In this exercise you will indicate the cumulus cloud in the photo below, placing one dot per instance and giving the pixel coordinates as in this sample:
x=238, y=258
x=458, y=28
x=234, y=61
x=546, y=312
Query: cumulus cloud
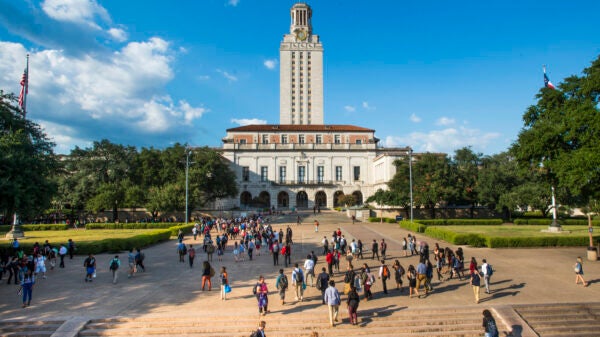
x=445, y=121
x=349, y=108
x=366, y=106
x=414, y=118
x=227, y=75
x=122, y=92
x=248, y=121
x=64, y=136
x=445, y=140
x=79, y=11
x=270, y=64
x=118, y=34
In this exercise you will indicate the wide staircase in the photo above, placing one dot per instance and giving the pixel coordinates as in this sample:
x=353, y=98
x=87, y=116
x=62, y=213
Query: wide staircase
x=30, y=328
x=463, y=322
x=554, y=320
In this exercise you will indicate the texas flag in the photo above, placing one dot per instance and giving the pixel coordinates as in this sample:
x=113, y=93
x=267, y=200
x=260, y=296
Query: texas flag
x=547, y=82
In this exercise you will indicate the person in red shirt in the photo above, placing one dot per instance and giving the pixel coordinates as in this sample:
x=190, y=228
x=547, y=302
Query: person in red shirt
x=329, y=260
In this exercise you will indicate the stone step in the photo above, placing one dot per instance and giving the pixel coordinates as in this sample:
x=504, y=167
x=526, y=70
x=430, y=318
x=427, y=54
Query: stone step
x=29, y=328
x=31, y=333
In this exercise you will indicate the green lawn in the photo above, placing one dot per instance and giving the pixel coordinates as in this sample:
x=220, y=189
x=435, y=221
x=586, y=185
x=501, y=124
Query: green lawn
x=516, y=231
x=81, y=237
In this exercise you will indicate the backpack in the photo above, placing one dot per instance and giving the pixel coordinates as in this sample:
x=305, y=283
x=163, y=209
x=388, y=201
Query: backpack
x=492, y=328
x=255, y=333
x=489, y=270
x=349, y=277
x=386, y=272
x=114, y=264
x=283, y=281
x=254, y=291
x=298, y=277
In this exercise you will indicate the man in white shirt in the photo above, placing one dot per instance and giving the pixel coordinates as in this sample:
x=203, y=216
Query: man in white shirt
x=40, y=265
x=62, y=252
x=486, y=276
x=309, y=270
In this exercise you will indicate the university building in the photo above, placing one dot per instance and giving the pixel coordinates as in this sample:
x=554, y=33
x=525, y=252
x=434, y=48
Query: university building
x=302, y=162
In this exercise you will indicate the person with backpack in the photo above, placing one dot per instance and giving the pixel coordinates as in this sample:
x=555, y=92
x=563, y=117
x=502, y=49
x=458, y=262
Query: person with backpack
x=281, y=283
x=322, y=282
x=374, y=250
x=489, y=324
x=139, y=260
x=191, y=255
x=487, y=271
x=579, y=272
x=309, y=269
x=384, y=275
x=113, y=266
x=383, y=248
x=398, y=273
x=298, y=282
x=224, y=277
x=260, y=332
x=207, y=273
x=181, y=251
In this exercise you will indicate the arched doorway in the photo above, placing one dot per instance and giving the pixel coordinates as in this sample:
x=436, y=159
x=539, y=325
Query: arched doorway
x=301, y=200
x=245, y=199
x=336, y=198
x=358, y=198
x=264, y=199
x=283, y=200
x=321, y=199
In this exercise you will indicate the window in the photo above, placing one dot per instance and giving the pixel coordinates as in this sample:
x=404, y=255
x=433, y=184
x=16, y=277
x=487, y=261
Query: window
x=338, y=173
x=337, y=139
x=301, y=139
x=320, y=173
x=356, y=173
x=264, y=173
x=301, y=174
x=265, y=139
x=284, y=138
x=319, y=139
x=359, y=141
x=282, y=174
x=293, y=55
x=245, y=173
x=242, y=141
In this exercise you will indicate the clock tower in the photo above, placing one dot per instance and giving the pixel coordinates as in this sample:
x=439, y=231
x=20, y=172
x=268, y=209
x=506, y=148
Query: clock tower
x=301, y=71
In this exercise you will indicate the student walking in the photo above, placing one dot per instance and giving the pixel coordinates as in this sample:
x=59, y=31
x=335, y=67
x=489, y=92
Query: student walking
x=332, y=298
x=281, y=283
x=579, y=272
x=489, y=324
x=90, y=267
x=113, y=266
x=486, y=270
x=224, y=278
x=207, y=273
x=27, y=287
x=352, y=301
x=476, y=283
x=262, y=296
x=191, y=255
x=131, y=263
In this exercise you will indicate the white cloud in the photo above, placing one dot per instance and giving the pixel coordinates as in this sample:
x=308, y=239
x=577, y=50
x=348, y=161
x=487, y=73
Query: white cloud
x=445, y=121
x=366, y=106
x=445, y=140
x=233, y=2
x=415, y=119
x=118, y=34
x=64, y=136
x=227, y=75
x=78, y=11
x=203, y=77
x=270, y=64
x=349, y=108
x=123, y=90
x=247, y=121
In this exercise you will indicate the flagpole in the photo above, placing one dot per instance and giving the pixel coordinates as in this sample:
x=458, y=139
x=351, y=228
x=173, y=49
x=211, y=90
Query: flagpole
x=26, y=88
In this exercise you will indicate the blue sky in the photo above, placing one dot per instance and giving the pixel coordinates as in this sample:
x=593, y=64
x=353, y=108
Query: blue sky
x=434, y=75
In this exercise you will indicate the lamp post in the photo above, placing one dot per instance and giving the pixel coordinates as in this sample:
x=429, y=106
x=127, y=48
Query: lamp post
x=410, y=151
x=187, y=170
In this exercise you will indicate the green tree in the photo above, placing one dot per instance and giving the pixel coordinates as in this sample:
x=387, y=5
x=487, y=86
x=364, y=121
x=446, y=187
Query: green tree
x=432, y=181
x=561, y=134
x=498, y=175
x=27, y=163
x=465, y=166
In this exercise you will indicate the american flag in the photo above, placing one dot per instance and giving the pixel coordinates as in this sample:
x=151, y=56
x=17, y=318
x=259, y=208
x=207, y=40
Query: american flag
x=24, y=89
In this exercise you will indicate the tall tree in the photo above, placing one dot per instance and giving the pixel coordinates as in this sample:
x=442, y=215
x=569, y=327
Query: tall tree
x=466, y=165
x=27, y=163
x=432, y=181
x=561, y=134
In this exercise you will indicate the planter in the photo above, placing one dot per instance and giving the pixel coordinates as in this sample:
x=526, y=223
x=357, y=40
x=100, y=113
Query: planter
x=592, y=254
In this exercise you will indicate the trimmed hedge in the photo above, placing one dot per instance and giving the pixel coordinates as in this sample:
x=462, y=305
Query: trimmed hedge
x=144, y=225
x=412, y=226
x=547, y=222
x=539, y=241
x=42, y=227
x=386, y=220
x=461, y=222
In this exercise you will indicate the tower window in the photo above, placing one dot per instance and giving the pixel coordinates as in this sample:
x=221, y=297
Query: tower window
x=284, y=138
x=319, y=139
x=301, y=139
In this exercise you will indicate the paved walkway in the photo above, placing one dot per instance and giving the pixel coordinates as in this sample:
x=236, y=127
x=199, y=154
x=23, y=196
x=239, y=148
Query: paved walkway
x=167, y=288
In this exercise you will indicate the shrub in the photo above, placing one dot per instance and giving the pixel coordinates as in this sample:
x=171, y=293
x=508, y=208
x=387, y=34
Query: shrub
x=462, y=222
x=42, y=227
x=539, y=241
x=412, y=226
x=145, y=225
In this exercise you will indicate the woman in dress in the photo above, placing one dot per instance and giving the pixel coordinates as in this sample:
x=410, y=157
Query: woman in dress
x=262, y=295
x=412, y=280
x=579, y=272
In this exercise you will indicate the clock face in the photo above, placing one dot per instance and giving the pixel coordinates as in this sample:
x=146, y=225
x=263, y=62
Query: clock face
x=301, y=35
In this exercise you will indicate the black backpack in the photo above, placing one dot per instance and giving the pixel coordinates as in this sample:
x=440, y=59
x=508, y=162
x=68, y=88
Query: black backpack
x=114, y=264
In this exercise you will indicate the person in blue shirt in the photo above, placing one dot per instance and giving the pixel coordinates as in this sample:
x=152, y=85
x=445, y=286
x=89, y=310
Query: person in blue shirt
x=332, y=298
x=27, y=286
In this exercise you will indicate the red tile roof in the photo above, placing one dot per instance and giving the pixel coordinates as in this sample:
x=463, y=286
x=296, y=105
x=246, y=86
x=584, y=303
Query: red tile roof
x=299, y=128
